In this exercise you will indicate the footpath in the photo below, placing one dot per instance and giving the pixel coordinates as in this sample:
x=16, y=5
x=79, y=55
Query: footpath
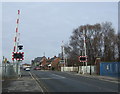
x=23, y=84
x=94, y=76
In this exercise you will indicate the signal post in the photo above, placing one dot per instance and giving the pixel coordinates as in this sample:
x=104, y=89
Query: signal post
x=82, y=59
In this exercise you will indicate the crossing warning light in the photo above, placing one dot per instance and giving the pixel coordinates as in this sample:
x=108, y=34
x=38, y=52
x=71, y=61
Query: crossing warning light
x=18, y=56
x=82, y=58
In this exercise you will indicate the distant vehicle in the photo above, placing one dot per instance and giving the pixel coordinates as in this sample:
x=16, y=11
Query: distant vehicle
x=37, y=68
x=27, y=69
x=24, y=66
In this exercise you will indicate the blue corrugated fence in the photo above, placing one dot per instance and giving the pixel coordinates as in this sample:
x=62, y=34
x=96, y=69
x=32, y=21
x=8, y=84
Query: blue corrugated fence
x=110, y=69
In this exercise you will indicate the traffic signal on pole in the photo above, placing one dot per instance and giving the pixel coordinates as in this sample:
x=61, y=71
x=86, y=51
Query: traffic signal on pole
x=83, y=58
x=18, y=55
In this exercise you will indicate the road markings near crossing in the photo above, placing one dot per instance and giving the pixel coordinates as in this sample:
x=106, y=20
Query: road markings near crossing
x=110, y=81
x=57, y=76
x=93, y=77
x=43, y=88
x=46, y=78
x=36, y=82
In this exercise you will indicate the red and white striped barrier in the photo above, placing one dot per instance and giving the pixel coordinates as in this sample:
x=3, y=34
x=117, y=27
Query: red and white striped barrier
x=16, y=39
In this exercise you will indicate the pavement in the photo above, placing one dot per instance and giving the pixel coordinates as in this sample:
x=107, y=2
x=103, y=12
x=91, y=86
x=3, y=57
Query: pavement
x=25, y=83
x=94, y=76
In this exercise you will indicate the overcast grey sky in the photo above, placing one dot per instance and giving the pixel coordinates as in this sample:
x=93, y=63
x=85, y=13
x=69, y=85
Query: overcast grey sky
x=43, y=26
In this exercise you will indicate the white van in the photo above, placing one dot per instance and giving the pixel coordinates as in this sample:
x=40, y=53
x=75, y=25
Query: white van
x=27, y=69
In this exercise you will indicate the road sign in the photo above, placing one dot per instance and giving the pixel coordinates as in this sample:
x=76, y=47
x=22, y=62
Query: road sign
x=18, y=55
x=20, y=47
x=82, y=58
x=5, y=60
x=62, y=61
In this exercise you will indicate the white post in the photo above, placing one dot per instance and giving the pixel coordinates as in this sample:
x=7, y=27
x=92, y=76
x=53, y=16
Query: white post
x=85, y=47
x=83, y=68
x=63, y=54
x=79, y=54
x=66, y=60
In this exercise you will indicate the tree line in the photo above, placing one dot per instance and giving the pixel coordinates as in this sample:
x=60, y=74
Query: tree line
x=101, y=41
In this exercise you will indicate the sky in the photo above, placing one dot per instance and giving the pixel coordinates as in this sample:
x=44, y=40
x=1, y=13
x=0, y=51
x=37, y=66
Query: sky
x=44, y=25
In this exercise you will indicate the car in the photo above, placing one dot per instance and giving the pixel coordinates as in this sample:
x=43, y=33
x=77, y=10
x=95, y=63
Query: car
x=27, y=69
x=37, y=68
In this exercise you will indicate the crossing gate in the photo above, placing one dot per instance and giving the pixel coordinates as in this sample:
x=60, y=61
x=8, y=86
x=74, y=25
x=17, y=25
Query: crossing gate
x=110, y=69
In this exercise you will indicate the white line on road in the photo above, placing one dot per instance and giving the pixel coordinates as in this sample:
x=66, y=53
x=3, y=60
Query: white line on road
x=58, y=76
x=37, y=79
x=36, y=82
x=45, y=78
x=110, y=81
x=94, y=77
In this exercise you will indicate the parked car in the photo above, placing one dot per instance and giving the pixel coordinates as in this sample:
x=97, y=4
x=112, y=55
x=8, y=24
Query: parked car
x=37, y=68
x=27, y=69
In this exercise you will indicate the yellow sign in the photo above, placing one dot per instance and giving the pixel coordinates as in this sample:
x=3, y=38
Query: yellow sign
x=5, y=61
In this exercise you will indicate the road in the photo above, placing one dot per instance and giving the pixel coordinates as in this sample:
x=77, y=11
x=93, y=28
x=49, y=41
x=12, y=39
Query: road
x=55, y=81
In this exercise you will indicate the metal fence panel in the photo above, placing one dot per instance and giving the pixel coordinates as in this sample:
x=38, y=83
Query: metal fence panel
x=8, y=71
x=82, y=69
x=110, y=69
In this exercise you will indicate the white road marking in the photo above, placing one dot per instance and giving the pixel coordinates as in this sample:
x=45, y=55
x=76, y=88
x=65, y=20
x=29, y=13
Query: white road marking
x=58, y=76
x=45, y=78
x=96, y=77
x=110, y=81
x=39, y=82
x=36, y=81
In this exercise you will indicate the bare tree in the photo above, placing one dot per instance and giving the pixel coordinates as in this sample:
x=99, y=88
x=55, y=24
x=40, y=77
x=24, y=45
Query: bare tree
x=101, y=41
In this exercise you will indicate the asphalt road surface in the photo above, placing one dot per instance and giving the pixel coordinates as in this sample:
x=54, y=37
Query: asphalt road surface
x=55, y=81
